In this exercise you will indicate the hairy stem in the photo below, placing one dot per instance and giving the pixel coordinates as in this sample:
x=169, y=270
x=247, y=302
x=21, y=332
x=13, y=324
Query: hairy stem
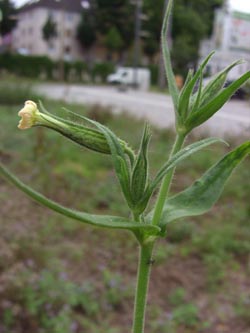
x=144, y=268
x=166, y=182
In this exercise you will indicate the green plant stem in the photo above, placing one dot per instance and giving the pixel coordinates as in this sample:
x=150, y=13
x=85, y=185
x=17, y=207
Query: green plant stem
x=166, y=182
x=144, y=268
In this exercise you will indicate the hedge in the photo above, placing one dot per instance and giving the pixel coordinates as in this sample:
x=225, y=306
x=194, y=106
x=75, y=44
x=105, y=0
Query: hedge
x=42, y=67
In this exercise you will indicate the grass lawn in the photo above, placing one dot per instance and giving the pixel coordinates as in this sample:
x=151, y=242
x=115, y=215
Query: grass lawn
x=59, y=276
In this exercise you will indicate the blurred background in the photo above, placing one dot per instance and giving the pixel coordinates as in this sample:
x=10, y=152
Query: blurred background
x=101, y=58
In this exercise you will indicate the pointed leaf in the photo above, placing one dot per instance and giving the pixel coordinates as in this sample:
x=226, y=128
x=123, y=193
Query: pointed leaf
x=173, y=89
x=185, y=95
x=119, y=159
x=197, y=98
x=188, y=78
x=180, y=156
x=173, y=162
x=203, y=194
x=114, y=222
x=208, y=110
x=216, y=83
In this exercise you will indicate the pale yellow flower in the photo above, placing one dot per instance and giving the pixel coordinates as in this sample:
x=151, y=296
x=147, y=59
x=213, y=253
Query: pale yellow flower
x=28, y=114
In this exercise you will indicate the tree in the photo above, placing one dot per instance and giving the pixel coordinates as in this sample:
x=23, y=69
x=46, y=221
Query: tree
x=7, y=21
x=118, y=14
x=150, y=47
x=49, y=29
x=113, y=41
x=152, y=24
x=86, y=32
x=192, y=20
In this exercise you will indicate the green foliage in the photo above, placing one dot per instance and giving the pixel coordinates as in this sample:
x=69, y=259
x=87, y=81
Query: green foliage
x=177, y=297
x=202, y=195
x=179, y=157
x=27, y=66
x=152, y=25
x=192, y=109
x=120, y=162
x=139, y=177
x=150, y=47
x=115, y=291
x=14, y=94
x=218, y=246
x=64, y=167
x=116, y=14
x=242, y=308
x=102, y=70
x=203, y=113
x=95, y=220
x=186, y=315
x=86, y=30
x=185, y=94
x=44, y=68
x=134, y=186
x=180, y=232
x=49, y=29
x=154, y=72
x=223, y=242
x=113, y=40
x=173, y=90
x=51, y=300
x=79, y=133
x=186, y=36
x=7, y=12
x=215, y=266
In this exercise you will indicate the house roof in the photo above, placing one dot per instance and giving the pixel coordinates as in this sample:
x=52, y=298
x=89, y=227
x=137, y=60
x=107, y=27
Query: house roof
x=67, y=5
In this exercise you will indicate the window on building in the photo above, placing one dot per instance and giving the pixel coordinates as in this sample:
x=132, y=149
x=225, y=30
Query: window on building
x=68, y=33
x=69, y=17
x=51, y=46
x=51, y=14
x=67, y=53
x=67, y=49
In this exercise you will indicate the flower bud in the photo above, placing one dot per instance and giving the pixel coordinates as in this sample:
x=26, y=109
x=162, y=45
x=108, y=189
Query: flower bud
x=82, y=135
x=140, y=170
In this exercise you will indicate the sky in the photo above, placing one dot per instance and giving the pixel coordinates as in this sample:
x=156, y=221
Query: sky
x=240, y=5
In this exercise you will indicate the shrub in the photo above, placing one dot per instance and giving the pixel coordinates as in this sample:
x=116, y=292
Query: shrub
x=28, y=66
x=102, y=70
x=154, y=72
x=14, y=93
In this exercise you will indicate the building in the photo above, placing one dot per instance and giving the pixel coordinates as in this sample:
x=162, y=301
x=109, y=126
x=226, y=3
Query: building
x=230, y=40
x=28, y=33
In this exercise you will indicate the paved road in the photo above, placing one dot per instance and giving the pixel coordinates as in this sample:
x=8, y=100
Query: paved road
x=232, y=120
